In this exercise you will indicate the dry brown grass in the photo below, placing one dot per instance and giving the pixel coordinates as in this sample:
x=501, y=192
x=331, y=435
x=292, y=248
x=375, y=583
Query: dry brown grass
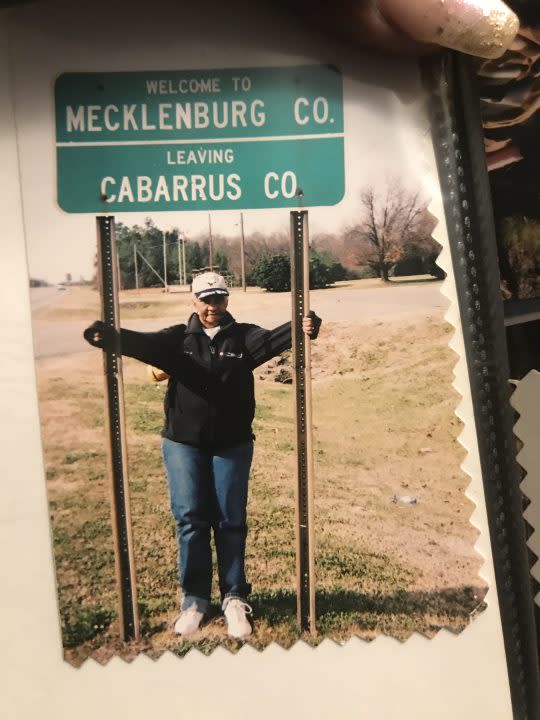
x=384, y=425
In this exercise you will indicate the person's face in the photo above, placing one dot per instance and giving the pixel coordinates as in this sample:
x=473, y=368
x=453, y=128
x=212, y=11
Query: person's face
x=211, y=309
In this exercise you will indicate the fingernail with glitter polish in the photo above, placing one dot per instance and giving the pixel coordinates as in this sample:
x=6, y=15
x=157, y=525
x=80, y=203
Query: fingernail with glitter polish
x=484, y=28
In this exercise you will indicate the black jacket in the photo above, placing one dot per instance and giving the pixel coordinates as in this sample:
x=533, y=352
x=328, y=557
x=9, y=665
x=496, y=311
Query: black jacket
x=210, y=400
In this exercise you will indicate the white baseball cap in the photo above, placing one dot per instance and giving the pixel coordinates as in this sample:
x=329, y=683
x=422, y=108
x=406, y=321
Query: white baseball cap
x=209, y=283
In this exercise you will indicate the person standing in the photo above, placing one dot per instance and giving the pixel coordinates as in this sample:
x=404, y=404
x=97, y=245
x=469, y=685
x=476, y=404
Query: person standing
x=207, y=439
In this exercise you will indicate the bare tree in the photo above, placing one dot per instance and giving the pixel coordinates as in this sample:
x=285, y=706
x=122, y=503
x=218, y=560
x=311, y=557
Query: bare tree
x=259, y=245
x=393, y=227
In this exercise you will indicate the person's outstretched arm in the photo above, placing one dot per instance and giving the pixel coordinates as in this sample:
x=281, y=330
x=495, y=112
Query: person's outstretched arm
x=262, y=345
x=152, y=348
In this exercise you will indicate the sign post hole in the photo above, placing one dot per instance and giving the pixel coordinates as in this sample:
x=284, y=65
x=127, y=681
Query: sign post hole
x=115, y=422
x=305, y=562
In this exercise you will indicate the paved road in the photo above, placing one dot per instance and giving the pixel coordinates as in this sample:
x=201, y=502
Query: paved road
x=342, y=304
x=40, y=297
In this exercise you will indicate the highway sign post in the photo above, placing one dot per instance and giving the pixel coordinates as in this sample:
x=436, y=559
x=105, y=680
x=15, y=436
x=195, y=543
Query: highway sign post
x=117, y=449
x=305, y=559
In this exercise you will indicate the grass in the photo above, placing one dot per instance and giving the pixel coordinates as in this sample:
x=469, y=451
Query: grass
x=384, y=424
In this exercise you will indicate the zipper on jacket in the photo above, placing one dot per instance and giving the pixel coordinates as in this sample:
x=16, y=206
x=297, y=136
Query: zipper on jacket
x=212, y=354
x=211, y=412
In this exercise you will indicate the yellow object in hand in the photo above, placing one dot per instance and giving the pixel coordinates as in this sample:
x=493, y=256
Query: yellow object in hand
x=157, y=375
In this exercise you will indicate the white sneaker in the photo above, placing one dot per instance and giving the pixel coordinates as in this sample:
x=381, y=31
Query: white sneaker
x=189, y=621
x=235, y=611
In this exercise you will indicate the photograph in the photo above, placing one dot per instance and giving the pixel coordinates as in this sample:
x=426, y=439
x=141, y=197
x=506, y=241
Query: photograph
x=205, y=308
x=394, y=550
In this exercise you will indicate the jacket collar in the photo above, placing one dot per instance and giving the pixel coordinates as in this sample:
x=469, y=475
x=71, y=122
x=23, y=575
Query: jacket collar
x=194, y=324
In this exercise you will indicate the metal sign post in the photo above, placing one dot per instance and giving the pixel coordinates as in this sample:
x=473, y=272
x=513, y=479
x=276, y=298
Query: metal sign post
x=117, y=455
x=305, y=561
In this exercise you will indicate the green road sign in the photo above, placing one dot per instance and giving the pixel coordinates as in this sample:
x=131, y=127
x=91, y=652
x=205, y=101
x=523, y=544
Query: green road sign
x=200, y=140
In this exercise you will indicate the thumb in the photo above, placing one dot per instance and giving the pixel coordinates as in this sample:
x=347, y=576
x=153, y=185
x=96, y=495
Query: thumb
x=485, y=28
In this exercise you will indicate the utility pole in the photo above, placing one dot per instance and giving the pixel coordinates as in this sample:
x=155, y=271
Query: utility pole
x=153, y=269
x=210, y=244
x=242, y=252
x=165, y=261
x=178, y=241
x=184, y=257
x=135, y=264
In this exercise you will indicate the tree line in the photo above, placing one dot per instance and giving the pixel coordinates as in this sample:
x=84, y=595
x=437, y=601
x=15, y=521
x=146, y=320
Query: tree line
x=391, y=235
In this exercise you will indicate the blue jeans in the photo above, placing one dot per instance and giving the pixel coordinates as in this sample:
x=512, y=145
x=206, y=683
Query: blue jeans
x=209, y=492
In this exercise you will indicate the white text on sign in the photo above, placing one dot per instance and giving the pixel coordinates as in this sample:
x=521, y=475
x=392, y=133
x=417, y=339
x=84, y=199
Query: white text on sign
x=183, y=188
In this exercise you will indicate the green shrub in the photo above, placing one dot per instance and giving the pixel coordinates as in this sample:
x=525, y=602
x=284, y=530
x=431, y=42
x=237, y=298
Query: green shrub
x=335, y=269
x=273, y=273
